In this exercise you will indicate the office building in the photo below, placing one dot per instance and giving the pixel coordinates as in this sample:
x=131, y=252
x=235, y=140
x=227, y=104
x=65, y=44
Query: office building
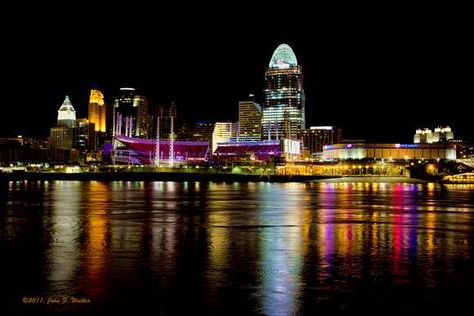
x=316, y=137
x=250, y=120
x=203, y=132
x=126, y=113
x=284, y=106
x=145, y=118
x=61, y=137
x=97, y=111
x=66, y=114
x=84, y=135
x=222, y=133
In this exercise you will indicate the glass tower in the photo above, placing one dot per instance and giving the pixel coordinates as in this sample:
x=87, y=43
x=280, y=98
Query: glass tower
x=128, y=108
x=284, y=107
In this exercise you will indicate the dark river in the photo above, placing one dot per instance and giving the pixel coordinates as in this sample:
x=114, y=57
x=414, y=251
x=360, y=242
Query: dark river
x=147, y=248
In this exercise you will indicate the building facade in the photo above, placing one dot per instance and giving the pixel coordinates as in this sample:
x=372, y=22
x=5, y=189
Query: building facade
x=427, y=136
x=203, y=132
x=61, y=137
x=316, y=137
x=66, y=114
x=85, y=135
x=222, y=133
x=284, y=106
x=126, y=107
x=250, y=120
x=97, y=111
x=390, y=152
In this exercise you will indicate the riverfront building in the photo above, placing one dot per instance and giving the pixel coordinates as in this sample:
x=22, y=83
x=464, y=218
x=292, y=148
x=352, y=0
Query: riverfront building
x=284, y=107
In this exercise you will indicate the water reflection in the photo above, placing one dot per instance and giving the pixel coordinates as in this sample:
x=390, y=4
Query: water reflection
x=97, y=239
x=66, y=226
x=248, y=248
x=281, y=246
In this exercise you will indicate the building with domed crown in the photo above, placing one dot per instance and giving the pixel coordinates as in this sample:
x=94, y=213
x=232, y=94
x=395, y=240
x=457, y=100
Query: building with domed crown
x=284, y=105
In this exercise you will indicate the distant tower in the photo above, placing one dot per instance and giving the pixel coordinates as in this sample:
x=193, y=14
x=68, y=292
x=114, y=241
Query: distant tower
x=144, y=117
x=97, y=110
x=66, y=114
x=283, y=92
x=126, y=107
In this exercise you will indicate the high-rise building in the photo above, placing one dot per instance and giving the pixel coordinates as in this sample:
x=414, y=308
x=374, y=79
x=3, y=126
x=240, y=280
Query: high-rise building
x=145, y=118
x=84, y=135
x=126, y=107
x=315, y=137
x=222, y=133
x=61, y=137
x=250, y=120
x=284, y=107
x=66, y=114
x=97, y=110
x=125, y=113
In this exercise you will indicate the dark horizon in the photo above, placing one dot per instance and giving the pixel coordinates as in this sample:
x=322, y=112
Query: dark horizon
x=377, y=77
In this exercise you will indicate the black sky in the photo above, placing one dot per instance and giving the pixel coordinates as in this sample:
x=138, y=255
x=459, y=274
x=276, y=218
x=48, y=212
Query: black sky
x=377, y=74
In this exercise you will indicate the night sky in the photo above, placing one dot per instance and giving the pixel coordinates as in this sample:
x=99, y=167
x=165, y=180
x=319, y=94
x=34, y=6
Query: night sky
x=378, y=76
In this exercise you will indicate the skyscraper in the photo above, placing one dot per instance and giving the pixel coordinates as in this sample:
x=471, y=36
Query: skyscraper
x=66, y=114
x=126, y=107
x=97, y=110
x=84, y=135
x=145, y=118
x=284, y=108
x=250, y=120
x=125, y=114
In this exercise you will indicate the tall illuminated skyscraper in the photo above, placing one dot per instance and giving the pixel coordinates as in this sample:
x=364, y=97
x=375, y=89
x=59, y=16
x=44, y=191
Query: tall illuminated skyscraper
x=66, y=114
x=284, y=107
x=61, y=136
x=97, y=110
x=126, y=112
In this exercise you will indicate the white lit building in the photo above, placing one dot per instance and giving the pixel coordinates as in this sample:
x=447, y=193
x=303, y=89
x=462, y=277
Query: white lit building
x=284, y=108
x=390, y=152
x=222, y=133
x=66, y=114
x=427, y=136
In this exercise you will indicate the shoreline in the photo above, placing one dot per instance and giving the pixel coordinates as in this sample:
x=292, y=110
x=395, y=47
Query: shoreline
x=160, y=176
x=204, y=177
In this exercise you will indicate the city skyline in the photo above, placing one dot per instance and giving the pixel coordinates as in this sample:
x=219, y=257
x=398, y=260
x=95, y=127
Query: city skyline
x=379, y=79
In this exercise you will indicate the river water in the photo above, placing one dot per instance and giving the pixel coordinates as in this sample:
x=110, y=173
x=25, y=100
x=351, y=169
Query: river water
x=87, y=248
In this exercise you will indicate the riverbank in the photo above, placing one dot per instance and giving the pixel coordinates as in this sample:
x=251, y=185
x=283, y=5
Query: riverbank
x=378, y=179
x=160, y=176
